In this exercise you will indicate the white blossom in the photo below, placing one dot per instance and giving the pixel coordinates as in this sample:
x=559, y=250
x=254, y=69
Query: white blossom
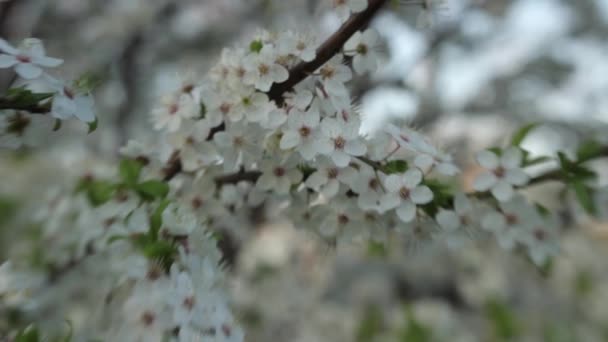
x=361, y=47
x=27, y=61
x=502, y=174
x=404, y=193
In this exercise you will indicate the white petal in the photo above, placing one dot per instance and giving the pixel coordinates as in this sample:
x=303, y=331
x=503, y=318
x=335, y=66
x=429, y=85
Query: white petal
x=389, y=201
x=290, y=139
x=355, y=148
x=448, y=220
x=487, y=159
x=7, y=61
x=502, y=191
x=8, y=48
x=393, y=182
x=28, y=71
x=412, y=177
x=424, y=161
x=493, y=221
x=340, y=158
x=511, y=158
x=84, y=108
x=49, y=62
x=462, y=204
x=406, y=211
x=317, y=179
x=484, y=181
x=447, y=169
x=516, y=177
x=266, y=181
x=421, y=195
x=62, y=108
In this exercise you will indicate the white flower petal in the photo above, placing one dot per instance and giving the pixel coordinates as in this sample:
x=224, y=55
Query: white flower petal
x=421, y=195
x=502, y=191
x=511, y=158
x=487, y=159
x=448, y=220
x=484, y=181
x=7, y=61
x=28, y=71
x=406, y=211
x=516, y=177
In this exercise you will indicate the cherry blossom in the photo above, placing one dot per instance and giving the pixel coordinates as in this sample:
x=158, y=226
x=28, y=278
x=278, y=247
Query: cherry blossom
x=404, y=192
x=503, y=173
x=27, y=61
x=361, y=47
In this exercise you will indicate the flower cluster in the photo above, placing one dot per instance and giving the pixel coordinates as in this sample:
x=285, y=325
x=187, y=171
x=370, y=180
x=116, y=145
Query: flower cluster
x=62, y=100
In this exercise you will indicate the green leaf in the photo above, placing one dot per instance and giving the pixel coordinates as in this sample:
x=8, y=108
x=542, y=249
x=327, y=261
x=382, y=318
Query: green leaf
x=161, y=251
x=29, y=334
x=203, y=110
x=98, y=191
x=522, y=133
x=371, y=324
x=92, y=126
x=57, y=125
x=496, y=150
x=535, y=161
x=395, y=166
x=584, y=194
x=588, y=150
x=415, y=331
x=152, y=189
x=156, y=221
x=442, y=196
x=504, y=323
x=376, y=249
x=130, y=170
x=256, y=46
x=24, y=97
x=88, y=81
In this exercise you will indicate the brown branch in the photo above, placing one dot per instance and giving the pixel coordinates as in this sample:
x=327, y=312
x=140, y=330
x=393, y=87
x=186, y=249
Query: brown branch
x=233, y=178
x=301, y=71
x=326, y=51
x=6, y=104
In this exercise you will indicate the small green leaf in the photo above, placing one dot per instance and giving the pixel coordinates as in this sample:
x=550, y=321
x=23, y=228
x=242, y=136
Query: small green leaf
x=98, y=191
x=161, y=251
x=535, y=161
x=152, y=189
x=395, y=166
x=522, y=133
x=57, y=125
x=22, y=96
x=92, y=126
x=504, y=322
x=203, y=110
x=371, y=324
x=376, y=249
x=88, y=81
x=156, y=221
x=415, y=331
x=256, y=46
x=496, y=150
x=584, y=194
x=130, y=170
x=29, y=334
x=588, y=150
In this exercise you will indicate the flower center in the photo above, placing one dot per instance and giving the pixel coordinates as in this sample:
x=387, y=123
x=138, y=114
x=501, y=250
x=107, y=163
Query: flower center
x=499, y=172
x=373, y=184
x=339, y=143
x=238, y=141
x=189, y=302
x=332, y=173
x=404, y=193
x=343, y=219
x=173, y=108
x=279, y=172
x=540, y=234
x=148, y=318
x=304, y=131
x=24, y=59
x=362, y=49
x=68, y=93
x=263, y=69
x=511, y=219
x=327, y=72
x=225, y=108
